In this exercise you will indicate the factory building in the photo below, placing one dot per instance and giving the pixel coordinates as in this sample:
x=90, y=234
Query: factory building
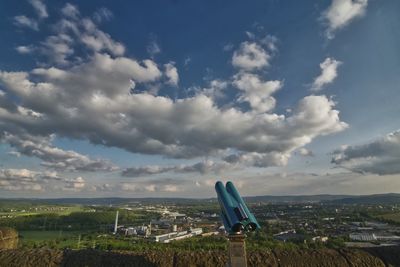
x=362, y=237
x=166, y=238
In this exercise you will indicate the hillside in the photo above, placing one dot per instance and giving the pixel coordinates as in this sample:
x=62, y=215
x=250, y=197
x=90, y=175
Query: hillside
x=385, y=256
x=378, y=199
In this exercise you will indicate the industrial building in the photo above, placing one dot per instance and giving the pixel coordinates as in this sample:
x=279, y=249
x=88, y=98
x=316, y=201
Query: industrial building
x=168, y=237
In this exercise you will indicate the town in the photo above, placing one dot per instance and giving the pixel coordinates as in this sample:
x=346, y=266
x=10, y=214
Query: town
x=130, y=224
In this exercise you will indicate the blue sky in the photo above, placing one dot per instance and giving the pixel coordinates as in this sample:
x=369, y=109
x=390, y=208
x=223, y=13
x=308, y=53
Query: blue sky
x=163, y=98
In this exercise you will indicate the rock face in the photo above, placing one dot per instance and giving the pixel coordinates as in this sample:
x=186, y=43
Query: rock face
x=275, y=258
x=8, y=238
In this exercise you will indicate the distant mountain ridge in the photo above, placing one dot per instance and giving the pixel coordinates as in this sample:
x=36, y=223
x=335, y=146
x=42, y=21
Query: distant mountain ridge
x=297, y=198
x=389, y=198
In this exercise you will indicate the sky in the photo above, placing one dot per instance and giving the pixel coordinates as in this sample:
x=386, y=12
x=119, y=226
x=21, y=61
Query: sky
x=164, y=98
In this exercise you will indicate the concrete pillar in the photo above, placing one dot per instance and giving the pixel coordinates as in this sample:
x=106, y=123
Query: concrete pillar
x=237, y=250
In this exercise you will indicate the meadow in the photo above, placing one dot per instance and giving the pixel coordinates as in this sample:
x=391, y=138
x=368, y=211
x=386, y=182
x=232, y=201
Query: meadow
x=392, y=217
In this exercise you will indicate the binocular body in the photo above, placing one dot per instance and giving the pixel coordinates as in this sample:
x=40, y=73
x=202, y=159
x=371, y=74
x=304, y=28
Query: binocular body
x=235, y=214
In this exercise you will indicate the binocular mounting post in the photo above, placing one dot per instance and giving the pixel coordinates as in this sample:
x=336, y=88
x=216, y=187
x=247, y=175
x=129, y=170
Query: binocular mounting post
x=237, y=250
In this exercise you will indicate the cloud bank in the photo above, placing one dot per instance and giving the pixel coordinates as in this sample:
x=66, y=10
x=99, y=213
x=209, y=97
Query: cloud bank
x=86, y=87
x=97, y=100
x=381, y=156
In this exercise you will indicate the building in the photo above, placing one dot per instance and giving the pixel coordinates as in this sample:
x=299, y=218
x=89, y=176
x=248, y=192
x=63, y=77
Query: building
x=163, y=237
x=387, y=237
x=322, y=239
x=137, y=230
x=362, y=237
x=176, y=215
x=196, y=231
x=166, y=238
x=289, y=235
x=162, y=223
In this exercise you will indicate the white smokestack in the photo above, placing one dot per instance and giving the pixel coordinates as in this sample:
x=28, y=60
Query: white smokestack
x=116, y=223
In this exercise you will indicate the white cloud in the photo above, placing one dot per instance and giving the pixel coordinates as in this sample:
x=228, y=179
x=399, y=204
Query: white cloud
x=25, y=180
x=341, y=12
x=40, y=8
x=103, y=14
x=318, y=183
x=24, y=21
x=203, y=167
x=71, y=31
x=128, y=187
x=187, y=61
x=105, y=99
x=214, y=90
x=210, y=182
x=70, y=11
x=107, y=114
x=259, y=159
x=306, y=152
x=167, y=185
x=250, y=35
x=22, y=49
x=256, y=92
x=171, y=188
x=381, y=156
x=328, y=74
x=14, y=153
x=75, y=185
x=267, y=183
x=228, y=47
x=57, y=48
x=250, y=56
x=101, y=188
x=18, y=174
x=171, y=73
x=146, y=170
x=153, y=48
x=98, y=40
x=54, y=157
x=270, y=42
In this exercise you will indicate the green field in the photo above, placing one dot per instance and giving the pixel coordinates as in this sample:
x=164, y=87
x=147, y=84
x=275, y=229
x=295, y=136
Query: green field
x=72, y=239
x=55, y=239
x=46, y=235
x=42, y=210
x=80, y=240
x=395, y=217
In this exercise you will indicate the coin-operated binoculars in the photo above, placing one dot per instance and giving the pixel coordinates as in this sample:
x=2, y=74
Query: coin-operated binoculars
x=237, y=220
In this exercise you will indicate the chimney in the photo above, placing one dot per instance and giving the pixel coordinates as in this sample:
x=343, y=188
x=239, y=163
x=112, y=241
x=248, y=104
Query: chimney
x=116, y=223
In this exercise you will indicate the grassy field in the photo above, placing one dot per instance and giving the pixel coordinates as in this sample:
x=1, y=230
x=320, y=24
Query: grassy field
x=56, y=239
x=392, y=216
x=46, y=235
x=70, y=239
x=42, y=210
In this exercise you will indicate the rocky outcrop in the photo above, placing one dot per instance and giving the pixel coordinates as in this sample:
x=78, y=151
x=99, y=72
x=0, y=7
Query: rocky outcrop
x=379, y=257
x=8, y=238
x=32, y=257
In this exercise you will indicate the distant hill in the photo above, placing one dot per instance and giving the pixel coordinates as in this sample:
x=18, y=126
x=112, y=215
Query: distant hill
x=99, y=201
x=390, y=198
x=370, y=199
x=296, y=199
